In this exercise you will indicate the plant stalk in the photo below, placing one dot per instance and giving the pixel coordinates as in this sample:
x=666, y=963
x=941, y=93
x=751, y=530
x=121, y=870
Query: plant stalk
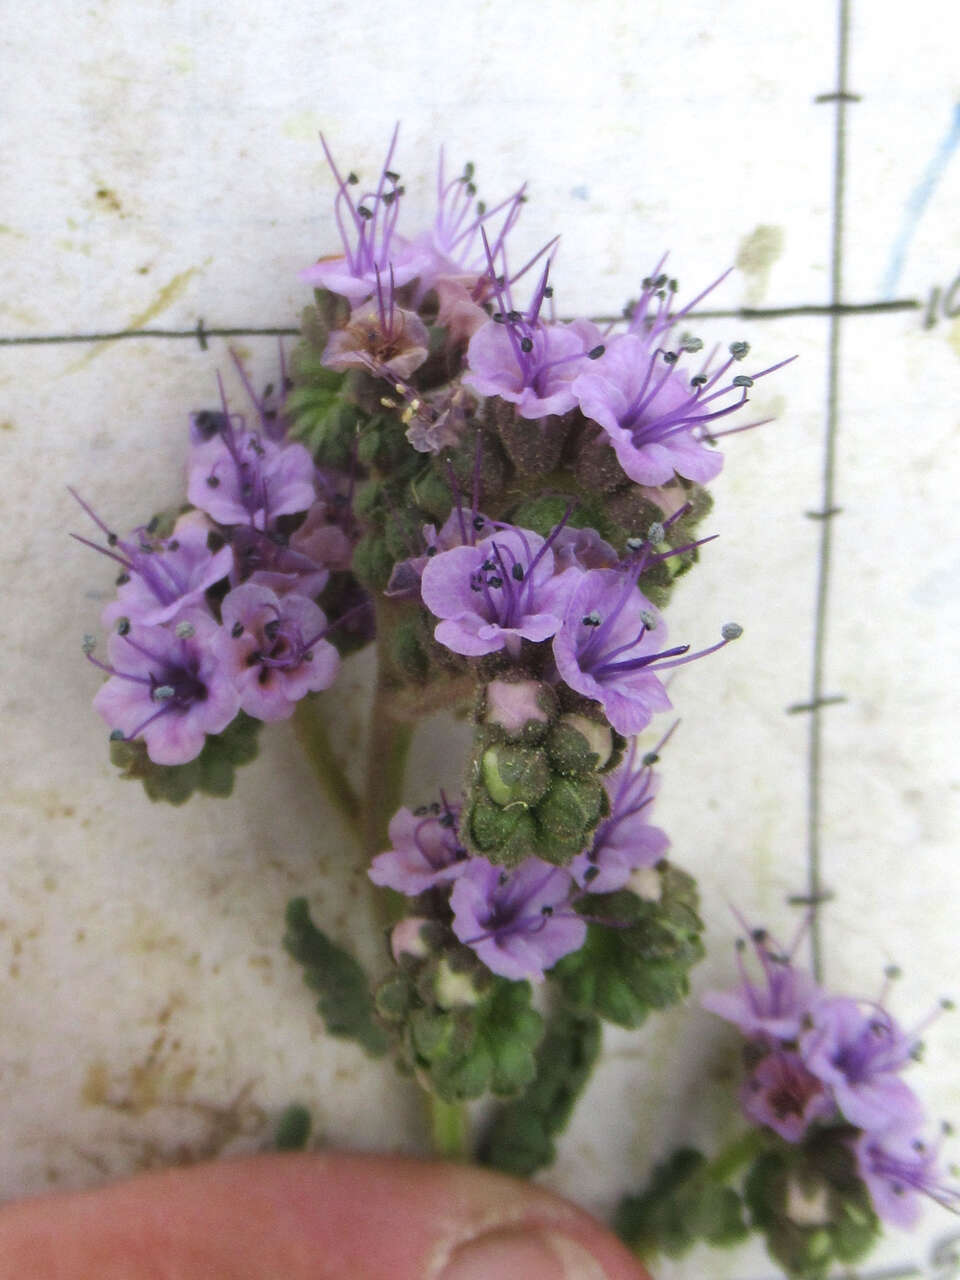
x=450, y=1129
x=311, y=729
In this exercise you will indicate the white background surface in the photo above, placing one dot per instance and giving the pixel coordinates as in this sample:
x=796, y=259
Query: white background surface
x=147, y=1013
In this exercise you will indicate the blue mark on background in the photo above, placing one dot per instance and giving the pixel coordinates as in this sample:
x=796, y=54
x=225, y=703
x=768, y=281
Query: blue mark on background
x=917, y=202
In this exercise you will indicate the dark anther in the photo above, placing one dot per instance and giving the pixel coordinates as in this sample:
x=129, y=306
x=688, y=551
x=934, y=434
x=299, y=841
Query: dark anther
x=591, y=619
x=670, y=357
x=499, y=318
x=123, y=626
x=111, y=539
x=596, y=352
x=741, y=380
x=672, y=285
x=421, y=811
x=496, y=581
x=502, y=879
x=116, y=735
x=546, y=909
x=650, y=759
x=446, y=819
x=660, y=281
x=215, y=540
x=548, y=291
x=478, y=523
x=759, y=935
x=739, y=349
x=526, y=344
x=272, y=628
x=517, y=572
x=364, y=212
x=308, y=656
x=352, y=178
x=392, y=175
x=590, y=874
x=122, y=578
x=213, y=482
x=514, y=316
x=389, y=197
x=254, y=658
x=471, y=189
x=481, y=207
x=270, y=414
x=153, y=525
x=173, y=545
x=268, y=390
x=237, y=630
x=432, y=551
x=435, y=807
x=699, y=380
x=646, y=282
x=468, y=171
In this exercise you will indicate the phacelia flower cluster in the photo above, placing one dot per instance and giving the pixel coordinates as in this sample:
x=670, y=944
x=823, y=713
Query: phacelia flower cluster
x=817, y=1060
x=216, y=613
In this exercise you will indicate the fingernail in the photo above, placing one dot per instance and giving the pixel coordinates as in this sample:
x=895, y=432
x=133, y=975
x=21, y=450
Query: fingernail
x=526, y=1254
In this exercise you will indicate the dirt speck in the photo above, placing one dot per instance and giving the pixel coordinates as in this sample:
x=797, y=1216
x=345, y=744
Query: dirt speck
x=757, y=253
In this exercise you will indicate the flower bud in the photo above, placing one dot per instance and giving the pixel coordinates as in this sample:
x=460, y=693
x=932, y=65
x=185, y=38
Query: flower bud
x=406, y=939
x=504, y=836
x=567, y=815
x=519, y=707
x=579, y=745
x=514, y=775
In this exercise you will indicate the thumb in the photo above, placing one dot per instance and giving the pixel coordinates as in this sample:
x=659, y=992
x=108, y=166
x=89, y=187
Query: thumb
x=310, y=1217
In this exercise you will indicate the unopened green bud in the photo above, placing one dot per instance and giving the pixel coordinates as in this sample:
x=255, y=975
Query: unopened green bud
x=519, y=707
x=567, y=815
x=515, y=775
x=578, y=744
x=505, y=836
x=372, y=562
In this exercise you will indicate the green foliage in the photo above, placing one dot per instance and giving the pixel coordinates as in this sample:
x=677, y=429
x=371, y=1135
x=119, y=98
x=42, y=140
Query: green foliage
x=345, y=1003
x=320, y=417
x=682, y=1205
x=520, y=1139
x=463, y=1031
x=567, y=815
x=811, y=1206
x=293, y=1129
x=210, y=773
x=621, y=973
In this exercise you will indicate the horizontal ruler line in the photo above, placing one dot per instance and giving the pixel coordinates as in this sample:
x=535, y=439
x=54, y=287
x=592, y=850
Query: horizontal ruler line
x=200, y=332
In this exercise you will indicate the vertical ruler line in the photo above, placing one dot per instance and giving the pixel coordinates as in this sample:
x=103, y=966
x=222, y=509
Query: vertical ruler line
x=841, y=100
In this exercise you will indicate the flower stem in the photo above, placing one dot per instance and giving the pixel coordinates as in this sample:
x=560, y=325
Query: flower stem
x=450, y=1129
x=311, y=729
x=734, y=1156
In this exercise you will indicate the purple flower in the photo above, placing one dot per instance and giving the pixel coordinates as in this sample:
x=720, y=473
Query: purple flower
x=454, y=244
x=782, y=1094
x=426, y=851
x=367, y=228
x=300, y=562
x=167, y=686
x=242, y=477
x=859, y=1055
x=654, y=419
x=461, y=528
x=625, y=840
x=518, y=922
x=160, y=576
x=896, y=1166
x=274, y=649
x=610, y=639
x=380, y=337
x=582, y=549
x=528, y=361
x=497, y=593
x=609, y=647
x=774, y=1009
